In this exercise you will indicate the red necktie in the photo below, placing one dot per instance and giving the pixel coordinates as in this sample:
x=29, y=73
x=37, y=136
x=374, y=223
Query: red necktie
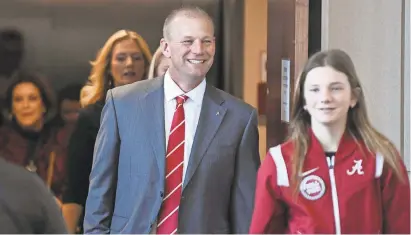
x=168, y=218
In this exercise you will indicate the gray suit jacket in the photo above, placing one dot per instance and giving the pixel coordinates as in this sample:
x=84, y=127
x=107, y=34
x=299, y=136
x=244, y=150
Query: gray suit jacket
x=127, y=178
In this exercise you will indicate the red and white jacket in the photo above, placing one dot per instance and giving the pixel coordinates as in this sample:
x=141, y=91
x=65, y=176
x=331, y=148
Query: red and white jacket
x=347, y=193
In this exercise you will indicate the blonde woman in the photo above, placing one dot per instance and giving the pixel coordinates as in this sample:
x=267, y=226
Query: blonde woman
x=125, y=58
x=159, y=64
x=336, y=173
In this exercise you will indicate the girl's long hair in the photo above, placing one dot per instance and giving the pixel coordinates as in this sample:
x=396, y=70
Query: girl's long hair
x=358, y=123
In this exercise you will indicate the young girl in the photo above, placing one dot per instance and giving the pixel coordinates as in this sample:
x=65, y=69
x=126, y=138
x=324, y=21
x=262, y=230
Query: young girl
x=336, y=173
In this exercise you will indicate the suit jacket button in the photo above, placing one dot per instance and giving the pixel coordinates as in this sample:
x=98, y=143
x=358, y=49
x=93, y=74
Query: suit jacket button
x=161, y=194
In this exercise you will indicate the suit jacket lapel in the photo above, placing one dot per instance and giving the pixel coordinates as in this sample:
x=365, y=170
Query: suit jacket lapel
x=211, y=116
x=153, y=109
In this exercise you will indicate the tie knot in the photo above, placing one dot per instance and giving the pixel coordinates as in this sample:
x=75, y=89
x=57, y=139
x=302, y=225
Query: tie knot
x=181, y=99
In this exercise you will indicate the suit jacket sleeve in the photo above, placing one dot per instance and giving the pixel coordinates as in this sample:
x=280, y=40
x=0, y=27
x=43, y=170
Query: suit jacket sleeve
x=243, y=188
x=103, y=177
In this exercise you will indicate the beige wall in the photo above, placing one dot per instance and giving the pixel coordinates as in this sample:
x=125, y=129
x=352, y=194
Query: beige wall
x=255, y=42
x=371, y=32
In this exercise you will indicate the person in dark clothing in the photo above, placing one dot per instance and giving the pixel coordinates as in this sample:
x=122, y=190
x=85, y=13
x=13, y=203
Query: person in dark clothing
x=78, y=166
x=68, y=112
x=29, y=138
x=26, y=205
x=125, y=58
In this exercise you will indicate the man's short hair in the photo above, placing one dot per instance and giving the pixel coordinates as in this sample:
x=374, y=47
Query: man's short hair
x=188, y=11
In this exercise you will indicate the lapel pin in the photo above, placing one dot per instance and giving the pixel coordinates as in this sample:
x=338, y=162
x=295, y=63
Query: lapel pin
x=218, y=113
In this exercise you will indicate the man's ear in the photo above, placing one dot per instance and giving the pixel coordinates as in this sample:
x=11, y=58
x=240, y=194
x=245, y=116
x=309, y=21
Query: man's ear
x=165, y=48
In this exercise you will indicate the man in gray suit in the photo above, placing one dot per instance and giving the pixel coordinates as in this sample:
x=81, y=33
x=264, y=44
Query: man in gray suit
x=174, y=154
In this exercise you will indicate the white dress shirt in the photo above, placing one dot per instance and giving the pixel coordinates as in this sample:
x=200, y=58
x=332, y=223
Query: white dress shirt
x=192, y=109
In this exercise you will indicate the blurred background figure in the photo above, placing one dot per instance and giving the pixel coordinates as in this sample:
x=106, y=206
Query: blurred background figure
x=26, y=205
x=159, y=64
x=69, y=104
x=125, y=58
x=68, y=112
x=11, y=55
x=29, y=137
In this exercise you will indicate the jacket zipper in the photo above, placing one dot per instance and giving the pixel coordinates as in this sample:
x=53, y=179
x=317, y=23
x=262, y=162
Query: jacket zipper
x=336, y=208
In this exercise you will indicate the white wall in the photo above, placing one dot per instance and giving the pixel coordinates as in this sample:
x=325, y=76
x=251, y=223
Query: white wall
x=370, y=31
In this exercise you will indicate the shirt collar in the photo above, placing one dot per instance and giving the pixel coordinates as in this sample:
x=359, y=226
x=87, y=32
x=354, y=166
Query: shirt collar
x=171, y=90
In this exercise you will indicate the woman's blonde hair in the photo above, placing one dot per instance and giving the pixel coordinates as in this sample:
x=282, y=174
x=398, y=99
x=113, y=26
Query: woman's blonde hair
x=100, y=75
x=158, y=55
x=358, y=124
x=85, y=94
